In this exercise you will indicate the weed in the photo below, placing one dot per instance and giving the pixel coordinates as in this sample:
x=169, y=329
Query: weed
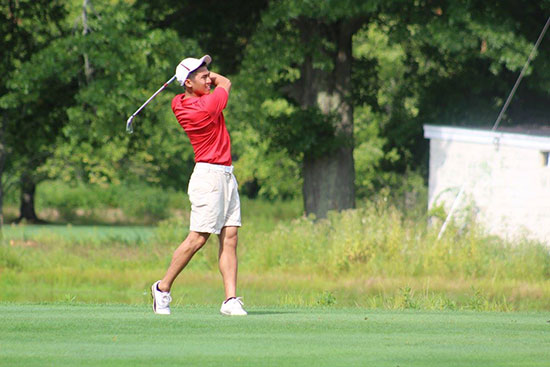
x=327, y=298
x=69, y=298
x=407, y=298
x=477, y=301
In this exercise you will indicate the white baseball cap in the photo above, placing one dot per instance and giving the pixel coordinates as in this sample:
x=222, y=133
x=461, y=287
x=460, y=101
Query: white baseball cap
x=188, y=65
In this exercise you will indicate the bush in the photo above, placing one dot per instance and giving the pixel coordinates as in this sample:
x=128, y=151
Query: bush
x=139, y=203
x=378, y=240
x=145, y=203
x=171, y=231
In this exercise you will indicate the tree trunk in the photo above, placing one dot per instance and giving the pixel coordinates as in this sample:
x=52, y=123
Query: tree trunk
x=329, y=180
x=26, y=209
x=88, y=70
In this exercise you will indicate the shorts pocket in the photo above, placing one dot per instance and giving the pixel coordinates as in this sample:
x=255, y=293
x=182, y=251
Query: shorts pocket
x=202, y=183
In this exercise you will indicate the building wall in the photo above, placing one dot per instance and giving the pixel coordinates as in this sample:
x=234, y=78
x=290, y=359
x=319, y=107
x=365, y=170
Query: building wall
x=507, y=186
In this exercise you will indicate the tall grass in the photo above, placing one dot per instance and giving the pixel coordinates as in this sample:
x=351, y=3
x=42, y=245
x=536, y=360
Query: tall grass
x=376, y=240
x=373, y=256
x=131, y=203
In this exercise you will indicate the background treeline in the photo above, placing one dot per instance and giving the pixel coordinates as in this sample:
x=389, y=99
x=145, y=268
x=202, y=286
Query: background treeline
x=328, y=102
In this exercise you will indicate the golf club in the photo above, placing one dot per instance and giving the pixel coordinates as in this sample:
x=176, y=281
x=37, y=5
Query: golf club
x=129, y=127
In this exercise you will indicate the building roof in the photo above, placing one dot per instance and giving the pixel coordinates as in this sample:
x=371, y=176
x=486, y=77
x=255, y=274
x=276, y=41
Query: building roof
x=527, y=130
x=540, y=140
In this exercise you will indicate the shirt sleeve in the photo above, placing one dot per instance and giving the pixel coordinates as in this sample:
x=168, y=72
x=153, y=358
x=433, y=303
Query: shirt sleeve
x=216, y=102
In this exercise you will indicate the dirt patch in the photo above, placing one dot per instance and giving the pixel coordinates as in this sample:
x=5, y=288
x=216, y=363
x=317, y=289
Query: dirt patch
x=24, y=243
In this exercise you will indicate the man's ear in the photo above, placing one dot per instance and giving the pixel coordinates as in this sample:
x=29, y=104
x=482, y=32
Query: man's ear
x=188, y=83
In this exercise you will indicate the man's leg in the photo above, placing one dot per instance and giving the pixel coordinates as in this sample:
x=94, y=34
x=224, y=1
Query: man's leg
x=181, y=257
x=228, y=260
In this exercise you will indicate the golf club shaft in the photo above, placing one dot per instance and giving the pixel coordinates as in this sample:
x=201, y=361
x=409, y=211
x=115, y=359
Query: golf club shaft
x=129, y=122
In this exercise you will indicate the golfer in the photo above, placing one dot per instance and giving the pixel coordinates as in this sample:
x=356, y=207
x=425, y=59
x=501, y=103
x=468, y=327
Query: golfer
x=215, y=205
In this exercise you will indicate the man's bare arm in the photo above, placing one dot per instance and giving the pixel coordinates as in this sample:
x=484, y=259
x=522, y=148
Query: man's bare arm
x=220, y=81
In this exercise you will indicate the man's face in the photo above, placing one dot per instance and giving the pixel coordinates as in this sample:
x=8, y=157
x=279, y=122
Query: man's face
x=200, y=82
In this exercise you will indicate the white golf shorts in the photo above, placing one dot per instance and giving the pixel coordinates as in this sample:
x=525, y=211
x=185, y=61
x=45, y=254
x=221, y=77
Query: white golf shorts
x=214, y=198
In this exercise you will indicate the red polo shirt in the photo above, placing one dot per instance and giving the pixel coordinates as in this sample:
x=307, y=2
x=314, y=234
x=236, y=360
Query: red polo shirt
x=203, y=121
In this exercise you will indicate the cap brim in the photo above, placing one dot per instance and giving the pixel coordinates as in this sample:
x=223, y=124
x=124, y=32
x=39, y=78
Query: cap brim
x=206, y=59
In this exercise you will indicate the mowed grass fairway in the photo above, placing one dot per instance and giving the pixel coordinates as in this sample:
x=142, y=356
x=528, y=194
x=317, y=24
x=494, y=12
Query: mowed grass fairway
x=121, y=335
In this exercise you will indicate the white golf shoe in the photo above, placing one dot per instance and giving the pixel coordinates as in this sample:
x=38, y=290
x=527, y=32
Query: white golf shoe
x=233, y=307
x=161, y=300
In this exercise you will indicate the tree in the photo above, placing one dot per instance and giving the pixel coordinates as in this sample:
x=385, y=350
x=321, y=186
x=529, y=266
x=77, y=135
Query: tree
x=302, y=55
x=26, y=27
x=221, y=28
x=457, y=60
x=77, y=93
x=130, y=61
x=461, y=59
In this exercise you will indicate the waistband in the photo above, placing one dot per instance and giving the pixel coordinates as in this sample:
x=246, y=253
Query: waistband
x=214, y=167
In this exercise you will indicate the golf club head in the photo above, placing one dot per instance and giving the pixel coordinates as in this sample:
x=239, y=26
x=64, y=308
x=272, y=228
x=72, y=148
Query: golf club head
x=129, y=128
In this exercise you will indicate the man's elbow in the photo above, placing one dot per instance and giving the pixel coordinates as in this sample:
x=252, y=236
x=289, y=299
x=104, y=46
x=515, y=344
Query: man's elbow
x=226, y=85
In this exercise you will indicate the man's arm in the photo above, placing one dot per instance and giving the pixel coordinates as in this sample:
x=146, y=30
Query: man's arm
x=220, y=81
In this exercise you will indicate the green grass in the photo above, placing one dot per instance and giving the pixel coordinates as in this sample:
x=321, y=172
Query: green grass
x=80, y=234
x=366, y=287
x=375, y=256
x=117, y=335
x=371, y=257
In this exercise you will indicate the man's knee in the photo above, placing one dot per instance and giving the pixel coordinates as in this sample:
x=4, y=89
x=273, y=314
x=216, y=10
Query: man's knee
x=196, y=240
x=229, y=236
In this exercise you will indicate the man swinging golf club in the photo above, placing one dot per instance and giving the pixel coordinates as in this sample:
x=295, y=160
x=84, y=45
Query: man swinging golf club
x=215, y=206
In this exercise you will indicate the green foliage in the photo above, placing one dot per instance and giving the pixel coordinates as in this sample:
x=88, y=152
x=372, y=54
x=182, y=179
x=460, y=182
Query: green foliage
x=261, y=172
x=387, y=236
x=261, y=215
x=223, y=38
x=279, y=54
x=87, y=143
x=460, y=61
x=136, y=203
x=144, y=202
x=10, y=258
x=407, y=299
x=413, y=63
x=328, y=10
x=58, y=201
x=301, y=131
x=379, y=110
x=30, y=120
x=172, y=230
x=326, y=299
x=377, y=240
x=26, y=26
x=369, y=153
x=126, y=73
x=372, y=257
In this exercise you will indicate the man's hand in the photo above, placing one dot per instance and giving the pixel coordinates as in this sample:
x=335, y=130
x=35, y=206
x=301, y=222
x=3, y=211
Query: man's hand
x=220, y=81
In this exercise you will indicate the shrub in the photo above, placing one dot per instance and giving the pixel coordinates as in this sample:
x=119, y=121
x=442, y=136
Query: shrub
x=145, y=203
x=139, y=203
x=378, y=240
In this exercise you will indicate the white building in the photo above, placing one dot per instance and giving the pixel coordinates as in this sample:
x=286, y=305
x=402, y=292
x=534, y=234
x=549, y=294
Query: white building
x=505, y=176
